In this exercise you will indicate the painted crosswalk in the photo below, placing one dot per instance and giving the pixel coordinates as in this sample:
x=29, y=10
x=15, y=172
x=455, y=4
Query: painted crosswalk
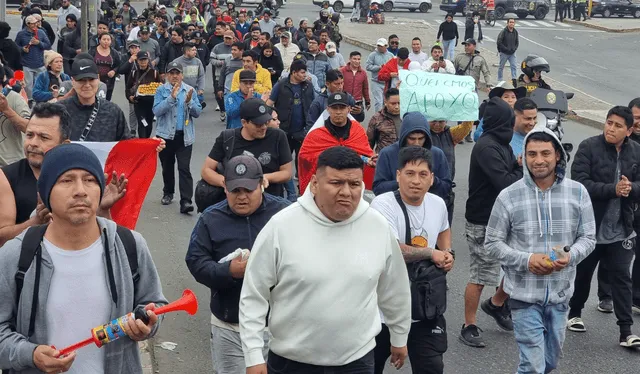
x=503, y=23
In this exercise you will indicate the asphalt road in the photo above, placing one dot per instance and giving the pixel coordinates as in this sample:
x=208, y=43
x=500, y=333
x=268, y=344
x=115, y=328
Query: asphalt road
x=168, y=233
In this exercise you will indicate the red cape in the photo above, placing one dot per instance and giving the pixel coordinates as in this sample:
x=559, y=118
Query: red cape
x=319, y=140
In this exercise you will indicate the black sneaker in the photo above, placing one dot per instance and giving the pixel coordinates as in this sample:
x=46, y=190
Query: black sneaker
x=470, y=335
x=186, y=207
x=166, y=199
x=501, y=314
x=605, y=306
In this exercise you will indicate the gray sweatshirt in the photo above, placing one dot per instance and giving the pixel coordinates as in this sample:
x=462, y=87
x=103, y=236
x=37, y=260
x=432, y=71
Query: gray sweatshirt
x=375, y=62
x=153, y=48
x=192, y=71
x=16, y=351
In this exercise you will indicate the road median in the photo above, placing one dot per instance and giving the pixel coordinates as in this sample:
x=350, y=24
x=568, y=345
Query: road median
x=18, y=13
x=589, y=110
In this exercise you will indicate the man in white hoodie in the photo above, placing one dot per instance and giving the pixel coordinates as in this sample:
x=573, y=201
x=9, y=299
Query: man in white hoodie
x=322, y=267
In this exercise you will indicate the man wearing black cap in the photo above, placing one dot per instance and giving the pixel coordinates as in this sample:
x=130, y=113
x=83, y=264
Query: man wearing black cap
x=144, y=75
x=141, y=21
x=472, y=64
x=246, y=201
x=152, y=47
x=234, y=99
x=389, y=72
x=85, y=281
x=255, y=138
x=204, y=54
x=175, y=106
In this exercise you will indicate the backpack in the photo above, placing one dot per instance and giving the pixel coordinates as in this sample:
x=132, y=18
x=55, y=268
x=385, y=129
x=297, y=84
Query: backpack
x=31, y=247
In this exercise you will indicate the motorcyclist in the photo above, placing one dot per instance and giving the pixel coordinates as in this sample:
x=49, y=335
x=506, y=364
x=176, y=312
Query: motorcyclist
x=532, y=67
x=323, y=23
x=231, y=9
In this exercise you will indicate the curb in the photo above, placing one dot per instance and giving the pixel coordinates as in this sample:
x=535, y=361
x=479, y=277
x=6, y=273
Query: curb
x=17, y=13
x=146, y=356
x=601, y=28
x=371, y=48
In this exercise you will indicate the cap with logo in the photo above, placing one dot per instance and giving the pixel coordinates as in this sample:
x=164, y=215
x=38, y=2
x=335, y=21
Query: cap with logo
x=143, y=55
x=469, y=41
x=162, y=7
x=84, y=68
x=338, y=98
x=174, y=66
x=242, y=171
x=134, y=43
x=255, y=110
x=285, y=34
x=144, y=30
x=196, y=35
x=331, y=47
x=142, y=18
x=382, y=42
x=247, y=75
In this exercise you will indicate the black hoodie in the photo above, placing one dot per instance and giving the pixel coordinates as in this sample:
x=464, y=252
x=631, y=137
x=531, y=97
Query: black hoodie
x=9, y=48
x=493, y=166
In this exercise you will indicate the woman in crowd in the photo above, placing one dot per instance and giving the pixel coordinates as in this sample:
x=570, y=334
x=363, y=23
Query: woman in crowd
x=271, y=62
x=108, y=60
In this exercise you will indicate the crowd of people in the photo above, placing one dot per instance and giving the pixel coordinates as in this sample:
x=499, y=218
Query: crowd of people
x=291, y=167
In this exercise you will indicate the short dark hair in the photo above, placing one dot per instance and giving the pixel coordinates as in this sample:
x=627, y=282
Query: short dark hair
x=239, y=45
x=354, y=53
x=391, y=92
x=416, y=38
x=188, y=45
x=624, y=112
x=117, y=16
x=101, y=22
x=339, y=158
x=50, y=110
x=393, y=36
x=448, y=15
x=325, y=31
x=511, y=19
x=523, y=104
x=435, y=47
x=177, y=18
x=254, y=56
x=266, y=35
x=178, y=30
x=635, y=103
x=221, y=23
x=333, y=75
x=541, y=136
x=164, y=25
x=414, y=154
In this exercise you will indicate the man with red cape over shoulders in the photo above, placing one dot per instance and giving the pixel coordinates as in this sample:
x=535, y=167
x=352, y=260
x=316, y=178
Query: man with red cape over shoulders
x=338, y=130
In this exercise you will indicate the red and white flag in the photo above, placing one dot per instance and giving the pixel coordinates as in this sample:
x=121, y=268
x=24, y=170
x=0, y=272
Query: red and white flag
x=137, y=159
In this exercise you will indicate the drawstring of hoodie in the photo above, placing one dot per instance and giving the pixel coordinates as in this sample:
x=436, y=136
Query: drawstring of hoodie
x=540, y=213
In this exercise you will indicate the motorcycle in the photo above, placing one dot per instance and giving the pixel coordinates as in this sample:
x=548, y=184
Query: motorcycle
x=258, y=13
x=553, y=105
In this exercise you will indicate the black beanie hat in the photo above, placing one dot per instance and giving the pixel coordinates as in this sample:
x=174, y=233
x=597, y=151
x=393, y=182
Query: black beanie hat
x=63, y=158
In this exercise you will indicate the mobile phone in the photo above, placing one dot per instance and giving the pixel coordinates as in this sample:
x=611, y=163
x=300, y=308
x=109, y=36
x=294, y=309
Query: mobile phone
x=6, y=90
x=441, y=58
x=359, y=103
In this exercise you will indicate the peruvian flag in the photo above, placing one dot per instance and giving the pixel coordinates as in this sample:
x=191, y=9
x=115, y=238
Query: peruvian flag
x=137, y=159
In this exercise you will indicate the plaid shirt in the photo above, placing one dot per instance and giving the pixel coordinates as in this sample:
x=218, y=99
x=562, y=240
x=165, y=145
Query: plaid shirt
x=526, y=220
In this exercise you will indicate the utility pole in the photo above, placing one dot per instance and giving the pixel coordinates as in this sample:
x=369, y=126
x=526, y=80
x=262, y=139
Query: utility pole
x=84, y=24
x=3, y=10
x=92, y=13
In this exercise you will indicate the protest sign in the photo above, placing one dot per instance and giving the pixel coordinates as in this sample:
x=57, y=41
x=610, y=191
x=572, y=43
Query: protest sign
x=439, y=96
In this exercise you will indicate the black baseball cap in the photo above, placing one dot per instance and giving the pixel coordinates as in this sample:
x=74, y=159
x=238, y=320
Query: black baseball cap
x=469, y=41
x=338, y=98
x=143, y=55
x=174, y=66
x=255, y=110
x=84, y=68
x=247, y=75
x=242, y=171
x=141, y=18
x=196, y=35
x=144, y=30
x=134, y=42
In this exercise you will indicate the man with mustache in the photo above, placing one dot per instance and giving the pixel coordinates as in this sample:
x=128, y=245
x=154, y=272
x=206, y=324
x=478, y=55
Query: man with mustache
x=49, y=126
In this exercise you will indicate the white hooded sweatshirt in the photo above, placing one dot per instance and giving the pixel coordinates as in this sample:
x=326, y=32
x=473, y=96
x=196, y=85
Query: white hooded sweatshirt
x=324, y=282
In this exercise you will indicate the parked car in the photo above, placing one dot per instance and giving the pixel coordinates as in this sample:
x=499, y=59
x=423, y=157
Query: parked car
x=453, y=6
x=621, y=8
x=423, y=5
x=523, y=8
x=338, y=5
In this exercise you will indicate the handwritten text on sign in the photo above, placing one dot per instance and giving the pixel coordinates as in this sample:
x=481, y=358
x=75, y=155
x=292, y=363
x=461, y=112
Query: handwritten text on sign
x=438, y=96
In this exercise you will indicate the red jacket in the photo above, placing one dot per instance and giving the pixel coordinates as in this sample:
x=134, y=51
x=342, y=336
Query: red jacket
x=390, y=67
x=356, y=84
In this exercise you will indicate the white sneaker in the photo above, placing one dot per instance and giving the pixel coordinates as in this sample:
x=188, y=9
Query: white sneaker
x=575, y=324
x=218, y=108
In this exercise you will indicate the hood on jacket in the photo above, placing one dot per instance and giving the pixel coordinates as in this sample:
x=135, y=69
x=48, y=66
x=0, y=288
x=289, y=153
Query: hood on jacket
x=5, y=28
x=561, y=168
x=499, y=120
x=412, y=122
x=308, y=203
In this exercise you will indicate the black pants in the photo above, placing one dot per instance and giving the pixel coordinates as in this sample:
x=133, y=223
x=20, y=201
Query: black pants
x=294, y=146
x=426, y=344
x=604, y=287
x=580, y=10
x=144, y=111
x=219, y=100
x=567, y=9
x=616, y=258
x=280, y=365
x=359, y=117
x=176, y=150
x=559, y=12
x=450, y=206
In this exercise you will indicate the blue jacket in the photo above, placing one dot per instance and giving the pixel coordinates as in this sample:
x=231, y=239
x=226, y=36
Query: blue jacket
x=33, y=59
x=209, y=243
x=385, y=178
x=317, y=65
x=41, y=91
x=232, y=103
x=169, y=111
x=319, y=104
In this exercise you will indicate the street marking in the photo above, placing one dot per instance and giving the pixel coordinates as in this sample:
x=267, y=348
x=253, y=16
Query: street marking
x=538, y=44
x=526, y=23
x=596, y=65
x=547, y=24
x=459, y=23
x=484, y=37
x=563, y=24
x=542, y=23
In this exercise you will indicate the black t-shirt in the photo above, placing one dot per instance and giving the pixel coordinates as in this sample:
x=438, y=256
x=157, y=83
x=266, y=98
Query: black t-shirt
x=272, y=151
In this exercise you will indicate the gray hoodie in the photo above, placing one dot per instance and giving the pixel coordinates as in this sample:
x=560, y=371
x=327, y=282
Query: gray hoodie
x=374, y=63
x=123, y=356
x=192, y=71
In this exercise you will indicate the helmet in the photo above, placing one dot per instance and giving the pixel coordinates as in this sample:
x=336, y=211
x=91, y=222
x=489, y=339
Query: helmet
x=324, y=13
x=335, y=17
x=533, y=63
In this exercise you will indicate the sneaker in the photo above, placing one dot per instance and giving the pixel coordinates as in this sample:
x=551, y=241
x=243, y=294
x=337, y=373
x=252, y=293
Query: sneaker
x=470, y=335
x=167, y=199
x=630, y=341
x=218, y=108
x=468, y=138
x=635, y=308
x=499, y=313
x=186, y=207
x=605, y=306
x=223, y=116
x=575, y=324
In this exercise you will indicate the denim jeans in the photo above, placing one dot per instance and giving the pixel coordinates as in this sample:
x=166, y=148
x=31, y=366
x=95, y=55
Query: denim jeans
x=512, y=62
x=540, y=332
x=292, y=194
x=449, y=47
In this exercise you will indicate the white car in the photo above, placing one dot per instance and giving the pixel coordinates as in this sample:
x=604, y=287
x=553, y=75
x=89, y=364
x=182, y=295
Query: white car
x=388, y=5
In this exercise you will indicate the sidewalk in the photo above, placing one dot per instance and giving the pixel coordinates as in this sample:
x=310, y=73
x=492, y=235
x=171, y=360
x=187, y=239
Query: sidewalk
x=590, y=110
x=613, y=24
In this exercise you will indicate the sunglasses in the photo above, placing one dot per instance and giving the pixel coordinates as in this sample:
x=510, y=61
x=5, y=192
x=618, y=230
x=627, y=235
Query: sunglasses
x=394, y=43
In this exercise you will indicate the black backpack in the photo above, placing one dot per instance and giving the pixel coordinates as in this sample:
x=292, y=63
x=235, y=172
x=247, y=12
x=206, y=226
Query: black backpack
x=31, y=247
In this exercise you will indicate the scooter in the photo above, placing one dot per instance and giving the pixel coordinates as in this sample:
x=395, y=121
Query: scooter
x=553, y=105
